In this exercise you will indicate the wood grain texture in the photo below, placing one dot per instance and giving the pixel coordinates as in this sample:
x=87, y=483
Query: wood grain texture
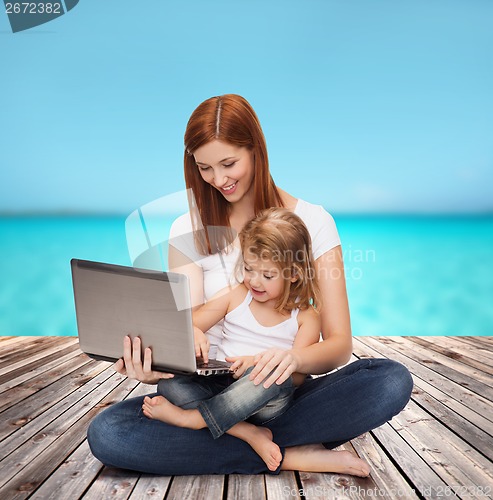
x=441, y=443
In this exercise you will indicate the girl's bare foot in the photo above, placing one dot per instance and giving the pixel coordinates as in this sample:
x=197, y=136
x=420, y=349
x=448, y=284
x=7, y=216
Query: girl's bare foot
x=316, y=458
x=260, y=439
x=159, y=408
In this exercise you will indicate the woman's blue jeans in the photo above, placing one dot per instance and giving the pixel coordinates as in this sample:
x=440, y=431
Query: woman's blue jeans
x=331, y=410
x=224, y=401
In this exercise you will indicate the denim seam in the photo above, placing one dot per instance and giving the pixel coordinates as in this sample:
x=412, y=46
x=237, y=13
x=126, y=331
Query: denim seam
x=215, y=430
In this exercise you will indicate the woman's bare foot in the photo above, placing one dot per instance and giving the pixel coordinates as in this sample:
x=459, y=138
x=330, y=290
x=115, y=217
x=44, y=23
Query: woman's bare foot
x=260, y=439
x=159, y=408
x=316, y=458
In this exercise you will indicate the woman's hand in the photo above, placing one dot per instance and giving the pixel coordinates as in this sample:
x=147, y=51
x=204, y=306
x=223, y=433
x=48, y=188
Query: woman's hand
x=202, y=344
x=131, y=363
x=240, y=364
x=284, y=363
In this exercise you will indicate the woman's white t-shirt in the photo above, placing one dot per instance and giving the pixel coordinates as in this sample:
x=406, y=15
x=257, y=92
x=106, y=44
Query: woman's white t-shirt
x=218, y=268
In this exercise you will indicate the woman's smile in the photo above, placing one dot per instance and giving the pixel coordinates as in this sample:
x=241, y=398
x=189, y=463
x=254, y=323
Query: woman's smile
x=229, y=189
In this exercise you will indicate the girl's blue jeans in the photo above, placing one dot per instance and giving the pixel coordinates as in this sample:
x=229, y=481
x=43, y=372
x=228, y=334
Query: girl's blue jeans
x=331, y=410
x=224, y=401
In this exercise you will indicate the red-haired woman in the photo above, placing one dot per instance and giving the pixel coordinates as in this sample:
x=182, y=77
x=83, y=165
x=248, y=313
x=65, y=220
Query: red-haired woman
x=226, y=167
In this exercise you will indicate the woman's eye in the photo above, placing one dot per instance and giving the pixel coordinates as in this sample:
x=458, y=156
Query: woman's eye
x=267, y=277
x=229, y=164
x=247, y=269
x=203, y=169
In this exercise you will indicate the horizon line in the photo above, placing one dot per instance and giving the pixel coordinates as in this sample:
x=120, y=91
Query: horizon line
x=368, y=213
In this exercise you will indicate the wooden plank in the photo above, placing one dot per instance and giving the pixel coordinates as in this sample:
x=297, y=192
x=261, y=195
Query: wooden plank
x=35, y=346
x=10, y=343
x=464, y=395
x=468, y=415
x=423, y=478
x=475, y=436
x=22, y=373
x=330, y=485
x=196, y=487
x=30, y=361
x=387, y=480
x=22, y=387
x=282, y=486
x=414, y=450
x=69, y=437
x=72, y=478
x=75, y=375
x=28, y=372
x=36, y=425
x=447, y=454
x=22, y=455
x=78, y=472
x=246, y=487
x=476, y=380
x=458, y=352
x=112, y=483
x=482, y=344
x=151, y=486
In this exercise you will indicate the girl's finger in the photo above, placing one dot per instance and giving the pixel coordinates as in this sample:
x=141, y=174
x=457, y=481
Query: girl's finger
x=205, y=352
x=234, y=366
x=197, y=350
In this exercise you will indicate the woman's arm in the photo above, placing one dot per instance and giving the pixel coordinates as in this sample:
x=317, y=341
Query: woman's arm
x=336, y=346
x=308, y=334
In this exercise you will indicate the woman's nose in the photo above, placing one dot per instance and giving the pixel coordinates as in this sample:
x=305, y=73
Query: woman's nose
x=220, y=179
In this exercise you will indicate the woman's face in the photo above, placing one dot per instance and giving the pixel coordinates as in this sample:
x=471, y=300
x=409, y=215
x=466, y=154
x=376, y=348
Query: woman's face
x=227, y=168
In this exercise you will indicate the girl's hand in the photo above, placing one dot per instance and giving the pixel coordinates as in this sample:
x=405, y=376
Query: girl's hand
x=240, y=364
x=202, y=344
x=284, y=363
x=131, y=363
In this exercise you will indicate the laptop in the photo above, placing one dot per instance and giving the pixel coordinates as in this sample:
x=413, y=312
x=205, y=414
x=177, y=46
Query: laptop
x=114, y=301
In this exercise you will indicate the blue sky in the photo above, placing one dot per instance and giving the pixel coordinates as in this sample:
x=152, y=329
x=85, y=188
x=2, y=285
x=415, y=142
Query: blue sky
x=367, y=106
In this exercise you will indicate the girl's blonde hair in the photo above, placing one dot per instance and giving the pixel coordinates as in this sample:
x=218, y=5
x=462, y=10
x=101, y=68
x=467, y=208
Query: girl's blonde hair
x=280, y=236
x=229, y=118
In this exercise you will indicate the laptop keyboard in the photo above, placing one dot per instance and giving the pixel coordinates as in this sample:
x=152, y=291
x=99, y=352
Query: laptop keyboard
x=213, y=363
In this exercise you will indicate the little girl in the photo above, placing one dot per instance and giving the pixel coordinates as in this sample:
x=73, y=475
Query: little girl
x=276, y=306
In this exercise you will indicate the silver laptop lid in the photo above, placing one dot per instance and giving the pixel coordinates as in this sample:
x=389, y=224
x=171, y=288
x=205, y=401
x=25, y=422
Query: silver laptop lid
x=114, y=301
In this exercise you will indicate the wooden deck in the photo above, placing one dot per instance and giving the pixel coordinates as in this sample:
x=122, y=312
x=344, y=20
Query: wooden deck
x=440, y=444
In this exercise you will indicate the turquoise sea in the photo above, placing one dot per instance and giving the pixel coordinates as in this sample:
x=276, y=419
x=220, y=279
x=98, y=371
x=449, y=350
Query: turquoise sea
x=406, y=275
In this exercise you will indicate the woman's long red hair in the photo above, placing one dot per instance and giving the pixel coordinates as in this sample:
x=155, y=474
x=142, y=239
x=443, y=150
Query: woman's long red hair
x=231, y=119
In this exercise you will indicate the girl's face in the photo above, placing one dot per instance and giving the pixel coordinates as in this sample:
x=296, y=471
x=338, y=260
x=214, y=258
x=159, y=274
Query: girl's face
x=227, y=168
x=263, y=278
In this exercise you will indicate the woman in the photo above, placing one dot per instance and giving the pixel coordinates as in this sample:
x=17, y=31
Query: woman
x=226, y=167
